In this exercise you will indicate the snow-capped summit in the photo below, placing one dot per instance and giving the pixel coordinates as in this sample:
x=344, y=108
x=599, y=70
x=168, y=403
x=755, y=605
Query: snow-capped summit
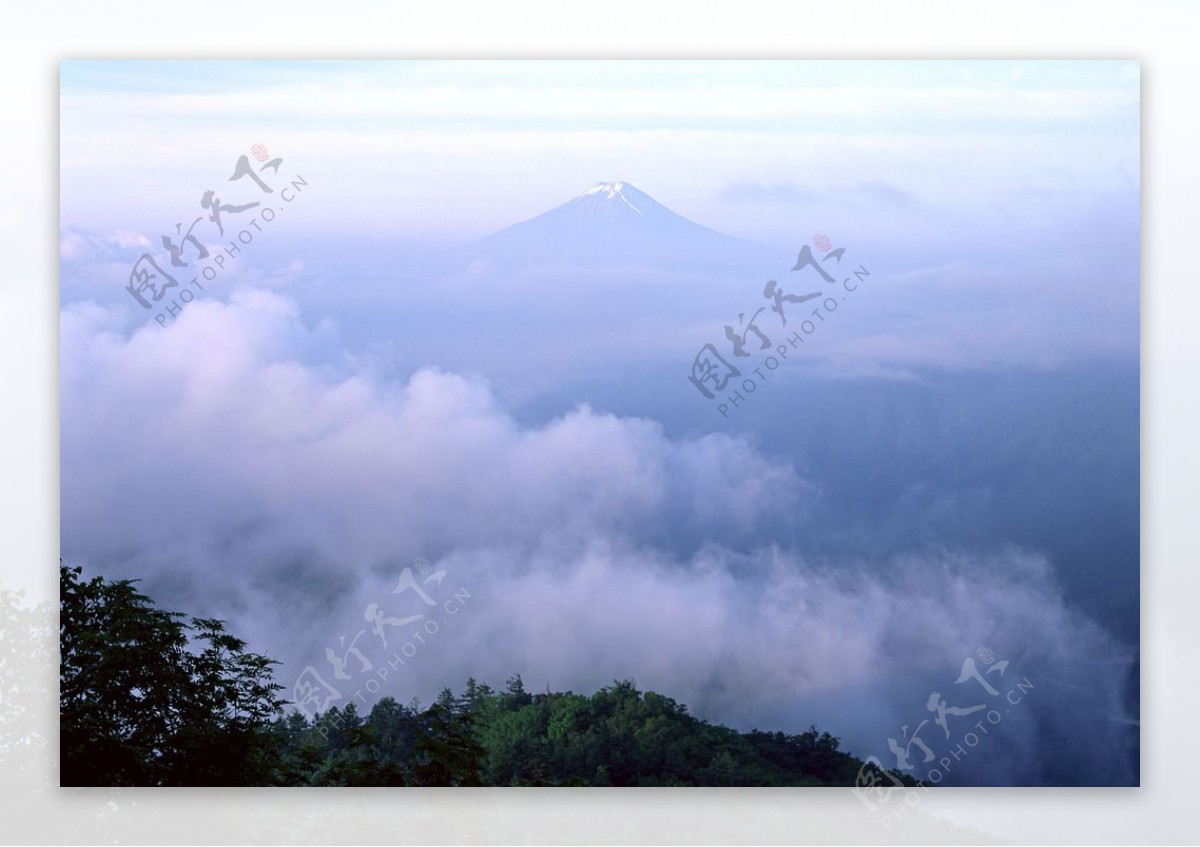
x=625, y=199
x=614, y=191
x=605, y=207
x=609, y=223
x=608, y=189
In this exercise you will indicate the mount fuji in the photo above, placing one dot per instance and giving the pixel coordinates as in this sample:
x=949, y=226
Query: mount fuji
x=614, y=224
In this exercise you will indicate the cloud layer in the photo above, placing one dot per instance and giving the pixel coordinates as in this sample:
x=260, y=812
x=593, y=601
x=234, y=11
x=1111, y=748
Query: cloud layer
x=245, y=472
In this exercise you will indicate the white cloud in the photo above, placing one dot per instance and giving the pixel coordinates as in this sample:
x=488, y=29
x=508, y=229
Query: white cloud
x=238, y=481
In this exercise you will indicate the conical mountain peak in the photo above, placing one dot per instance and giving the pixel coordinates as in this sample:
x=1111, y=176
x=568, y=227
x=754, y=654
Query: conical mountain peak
x=611, y=223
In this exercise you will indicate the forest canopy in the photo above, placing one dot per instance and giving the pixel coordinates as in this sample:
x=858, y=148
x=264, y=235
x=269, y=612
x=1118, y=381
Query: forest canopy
x=151, y=697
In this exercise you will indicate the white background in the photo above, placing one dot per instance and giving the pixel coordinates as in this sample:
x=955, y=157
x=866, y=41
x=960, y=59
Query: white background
x=1160, y=35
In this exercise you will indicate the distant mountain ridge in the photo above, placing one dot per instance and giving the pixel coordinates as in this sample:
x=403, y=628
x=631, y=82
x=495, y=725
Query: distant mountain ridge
x=608, y=205
x=614, y=224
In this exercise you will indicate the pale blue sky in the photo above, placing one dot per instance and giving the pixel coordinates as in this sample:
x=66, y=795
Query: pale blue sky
x=464, y=148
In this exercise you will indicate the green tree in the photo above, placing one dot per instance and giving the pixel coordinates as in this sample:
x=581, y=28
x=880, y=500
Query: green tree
x=149, y=697
x=447, y=751
x=515, y=696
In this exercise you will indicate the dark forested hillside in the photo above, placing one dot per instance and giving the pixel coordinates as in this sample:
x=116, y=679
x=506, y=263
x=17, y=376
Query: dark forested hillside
x=618, y=736
x=156, y=698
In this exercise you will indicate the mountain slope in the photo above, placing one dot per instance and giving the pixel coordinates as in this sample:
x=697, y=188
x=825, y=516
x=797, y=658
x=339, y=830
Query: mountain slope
x=613, y=225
